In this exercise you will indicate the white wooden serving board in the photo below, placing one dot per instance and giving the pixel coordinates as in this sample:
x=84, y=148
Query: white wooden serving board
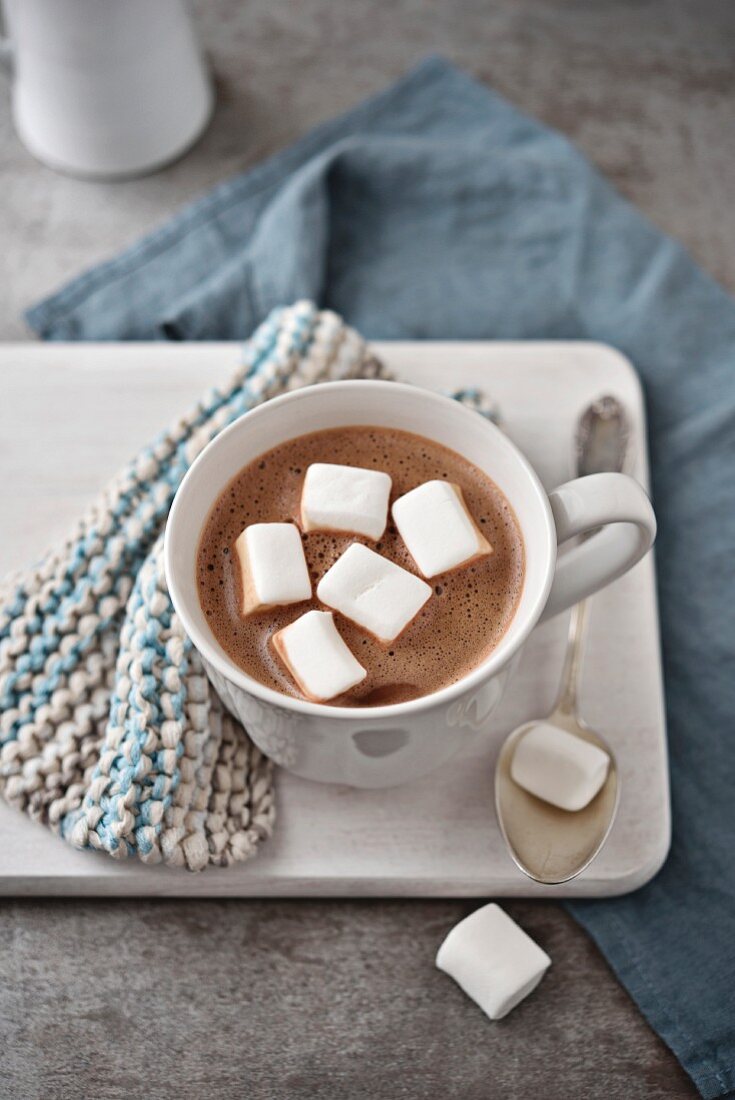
x=69, y=417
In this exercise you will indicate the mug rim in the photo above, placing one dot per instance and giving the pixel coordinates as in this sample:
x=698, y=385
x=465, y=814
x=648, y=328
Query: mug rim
x=497, y=659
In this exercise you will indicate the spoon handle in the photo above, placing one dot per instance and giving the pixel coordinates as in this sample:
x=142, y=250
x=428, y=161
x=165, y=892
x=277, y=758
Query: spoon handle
x=602, y=444
x=567, y=701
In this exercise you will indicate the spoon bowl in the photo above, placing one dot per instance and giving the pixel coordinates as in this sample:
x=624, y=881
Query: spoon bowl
x=548, y=844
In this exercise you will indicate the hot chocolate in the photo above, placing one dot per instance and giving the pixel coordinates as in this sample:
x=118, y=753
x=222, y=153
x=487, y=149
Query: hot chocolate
x=455, y=629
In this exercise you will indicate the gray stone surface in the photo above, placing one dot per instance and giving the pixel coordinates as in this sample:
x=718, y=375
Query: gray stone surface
x=298, y=999
x=282, y=999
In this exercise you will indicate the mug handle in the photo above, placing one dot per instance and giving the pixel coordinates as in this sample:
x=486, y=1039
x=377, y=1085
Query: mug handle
x=617, y=504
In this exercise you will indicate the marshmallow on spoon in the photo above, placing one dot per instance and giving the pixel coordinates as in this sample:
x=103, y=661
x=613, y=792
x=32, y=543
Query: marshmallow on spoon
x=493, y=960
x=437, y=528
x=345, y=498
x=318, y=658
x=373, y=592
x=559, y=767
x=273, y=569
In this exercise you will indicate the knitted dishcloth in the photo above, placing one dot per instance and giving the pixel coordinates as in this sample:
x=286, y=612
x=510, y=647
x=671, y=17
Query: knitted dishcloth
x=110, y=732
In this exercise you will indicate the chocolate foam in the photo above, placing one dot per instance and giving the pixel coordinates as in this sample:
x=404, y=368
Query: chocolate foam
x=458, y=627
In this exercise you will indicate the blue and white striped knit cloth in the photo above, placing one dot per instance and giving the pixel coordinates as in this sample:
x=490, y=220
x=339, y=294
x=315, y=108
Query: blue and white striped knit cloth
x=110, y=733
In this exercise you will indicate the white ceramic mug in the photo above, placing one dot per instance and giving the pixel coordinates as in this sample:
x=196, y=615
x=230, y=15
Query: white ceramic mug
x=384, y=746
x=105, y=88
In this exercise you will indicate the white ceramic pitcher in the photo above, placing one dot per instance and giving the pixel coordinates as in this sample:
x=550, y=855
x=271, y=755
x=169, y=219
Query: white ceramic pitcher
x=105, y=88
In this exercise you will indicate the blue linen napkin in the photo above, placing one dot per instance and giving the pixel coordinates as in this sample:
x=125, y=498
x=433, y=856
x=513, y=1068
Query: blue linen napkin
x=437, y=210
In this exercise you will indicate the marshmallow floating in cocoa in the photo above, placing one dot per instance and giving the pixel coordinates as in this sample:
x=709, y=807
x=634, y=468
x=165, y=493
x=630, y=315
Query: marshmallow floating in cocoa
x=493, y=960
x=273, y=568
x=436, y=526
x=559, y=767
x=345, y=498
x=373, y=592
x=318, y=658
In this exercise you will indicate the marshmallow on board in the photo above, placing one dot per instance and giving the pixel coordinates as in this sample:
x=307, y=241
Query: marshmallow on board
x=493, y=960
x=436, y=526
x=345, y=498
x=273, y=569
x=373, y=592
x=558, y=766
x=317, y=656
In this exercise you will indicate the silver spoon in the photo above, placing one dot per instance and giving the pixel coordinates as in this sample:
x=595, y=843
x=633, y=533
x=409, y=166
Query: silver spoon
x=551, y=845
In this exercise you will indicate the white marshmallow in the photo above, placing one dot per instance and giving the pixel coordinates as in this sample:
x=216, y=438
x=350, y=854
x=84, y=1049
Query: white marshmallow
x=318, y=658
x=493, y=960
x=559, y=767
x=437, y=528
x=345, y=498
x=273, y=568
x=373, y=592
